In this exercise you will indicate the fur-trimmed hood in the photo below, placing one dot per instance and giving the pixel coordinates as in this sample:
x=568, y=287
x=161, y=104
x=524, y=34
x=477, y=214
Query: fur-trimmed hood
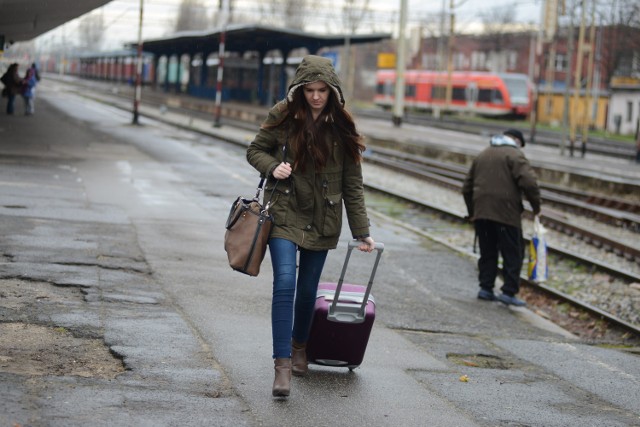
x=501, y=140
x=313, y=69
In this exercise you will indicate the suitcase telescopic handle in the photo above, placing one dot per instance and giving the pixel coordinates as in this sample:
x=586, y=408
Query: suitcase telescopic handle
x=379, y=247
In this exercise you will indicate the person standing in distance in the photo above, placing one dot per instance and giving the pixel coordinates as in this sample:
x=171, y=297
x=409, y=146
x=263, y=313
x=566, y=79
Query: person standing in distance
x=309, y=147
x=492, y=191
x=28, y=90
x=13, y=86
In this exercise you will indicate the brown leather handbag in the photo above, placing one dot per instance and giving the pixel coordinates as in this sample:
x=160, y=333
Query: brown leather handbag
x=248, y=227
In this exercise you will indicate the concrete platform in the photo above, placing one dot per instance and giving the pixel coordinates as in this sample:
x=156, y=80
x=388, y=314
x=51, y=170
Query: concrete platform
x=114, y=233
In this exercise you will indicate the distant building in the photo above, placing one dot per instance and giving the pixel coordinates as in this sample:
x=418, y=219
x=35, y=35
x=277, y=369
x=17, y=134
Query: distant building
x=624, y=106
x=616, y=54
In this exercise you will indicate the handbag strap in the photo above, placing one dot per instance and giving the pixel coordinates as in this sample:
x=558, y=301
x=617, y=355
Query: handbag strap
x=259, y=189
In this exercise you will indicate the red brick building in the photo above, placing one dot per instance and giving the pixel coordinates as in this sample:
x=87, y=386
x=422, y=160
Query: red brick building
x=616, y=52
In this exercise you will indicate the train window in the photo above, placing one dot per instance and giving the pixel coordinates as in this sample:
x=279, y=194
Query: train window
x=459, y=94
x=385, y=88
x=497, y=96
x=518, y=89
x=438, y=92
x=410, y=91
x=484, y=95
x=491, y=96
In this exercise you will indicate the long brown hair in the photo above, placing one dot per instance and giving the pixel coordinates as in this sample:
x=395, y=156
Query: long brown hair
x=309, y=138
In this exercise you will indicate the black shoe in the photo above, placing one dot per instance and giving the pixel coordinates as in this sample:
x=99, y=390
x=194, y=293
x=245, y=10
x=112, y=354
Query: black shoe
x=486, y=295
x=509, y=300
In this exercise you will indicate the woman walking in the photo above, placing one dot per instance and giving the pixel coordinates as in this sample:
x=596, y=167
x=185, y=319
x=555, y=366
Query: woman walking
x=310, y=152
x=13, y=86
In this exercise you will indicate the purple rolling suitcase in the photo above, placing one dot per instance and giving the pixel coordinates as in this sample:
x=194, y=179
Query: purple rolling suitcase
x=342, y=319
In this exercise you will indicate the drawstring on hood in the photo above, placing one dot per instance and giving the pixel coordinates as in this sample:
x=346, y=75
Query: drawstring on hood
x=314, y=69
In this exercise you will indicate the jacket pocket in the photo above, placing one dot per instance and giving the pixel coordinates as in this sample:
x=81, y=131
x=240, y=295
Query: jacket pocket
x=278, y=200
x=332, y=220
x=332, y=181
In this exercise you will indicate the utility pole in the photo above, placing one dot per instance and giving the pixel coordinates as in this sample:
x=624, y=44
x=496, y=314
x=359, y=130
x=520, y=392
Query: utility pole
x=346, y=72
x=548, y=20
x=531, y=71
x=223, y=34
x=595, y=85
x=138, y=86
x=550, y=76
x=578, y=80
x=352, y=17
x=588, y=107
x=551, y=27
x=440, y=54
x=450, y=46
x=398, y=105
x=567, y=85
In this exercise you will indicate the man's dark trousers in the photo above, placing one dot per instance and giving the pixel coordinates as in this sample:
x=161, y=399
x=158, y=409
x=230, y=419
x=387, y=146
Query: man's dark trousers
x=496, y=239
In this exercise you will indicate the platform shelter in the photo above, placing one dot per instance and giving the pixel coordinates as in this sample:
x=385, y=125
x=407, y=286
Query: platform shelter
x=188, y=61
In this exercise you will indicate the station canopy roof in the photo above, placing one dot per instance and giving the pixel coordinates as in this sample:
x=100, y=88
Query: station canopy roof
x=119, y=53
x=245, y=38
x=23, y=20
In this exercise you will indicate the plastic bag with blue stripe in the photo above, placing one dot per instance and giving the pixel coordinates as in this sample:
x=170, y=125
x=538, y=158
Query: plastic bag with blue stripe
x=538, y=267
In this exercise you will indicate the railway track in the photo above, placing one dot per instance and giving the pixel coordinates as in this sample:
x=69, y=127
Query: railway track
x=543, y=137
x=537, y=288
x=452, y=176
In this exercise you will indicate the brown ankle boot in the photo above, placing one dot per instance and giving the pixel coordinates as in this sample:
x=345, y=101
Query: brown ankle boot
x=299, y=364
x=282, y=381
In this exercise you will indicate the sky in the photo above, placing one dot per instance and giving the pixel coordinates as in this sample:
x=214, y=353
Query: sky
x=121, y=17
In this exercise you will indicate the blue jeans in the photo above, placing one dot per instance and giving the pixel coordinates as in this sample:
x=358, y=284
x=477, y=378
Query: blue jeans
x=285, y=321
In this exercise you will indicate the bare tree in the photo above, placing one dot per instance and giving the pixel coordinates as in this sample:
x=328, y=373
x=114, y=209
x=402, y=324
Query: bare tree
x=289, y=13
x=497, y=26
x=232, y=16
x=353, y=14
x=498, y=30
x=622, y=38
x=91, y=30
x=192, y=15
x=268, y=11
x=295, y=13
x=431, y=32
x=617, y=41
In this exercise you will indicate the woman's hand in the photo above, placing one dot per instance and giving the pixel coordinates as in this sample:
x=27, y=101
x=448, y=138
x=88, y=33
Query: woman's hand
x=367, y=244
x=282, y=171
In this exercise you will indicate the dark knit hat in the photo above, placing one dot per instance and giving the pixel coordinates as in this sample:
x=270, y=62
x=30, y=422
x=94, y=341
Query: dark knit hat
x=516, y=134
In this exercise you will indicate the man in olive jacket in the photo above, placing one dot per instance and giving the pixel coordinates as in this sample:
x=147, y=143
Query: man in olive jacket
x=492, y=191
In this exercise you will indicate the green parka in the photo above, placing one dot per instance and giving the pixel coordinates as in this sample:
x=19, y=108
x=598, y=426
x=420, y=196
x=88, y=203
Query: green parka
x=307, y=207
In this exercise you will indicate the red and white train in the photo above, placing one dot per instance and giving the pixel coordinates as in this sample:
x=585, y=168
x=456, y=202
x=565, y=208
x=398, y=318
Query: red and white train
x=481, y=93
